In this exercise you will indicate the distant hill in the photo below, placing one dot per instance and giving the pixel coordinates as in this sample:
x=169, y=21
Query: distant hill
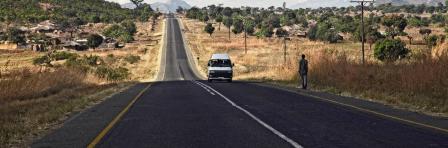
x=166, y=6
x=59, y=10
x=128, y=5
x=322, y=3
x=408, y=2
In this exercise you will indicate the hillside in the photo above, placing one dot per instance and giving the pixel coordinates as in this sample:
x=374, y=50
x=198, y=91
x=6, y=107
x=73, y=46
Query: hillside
x=165, y=6
x=87, y=10
x=409, y=2
x=322, y=3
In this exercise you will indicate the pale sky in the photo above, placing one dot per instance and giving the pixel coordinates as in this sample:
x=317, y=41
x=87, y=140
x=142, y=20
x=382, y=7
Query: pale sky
x=230, y=3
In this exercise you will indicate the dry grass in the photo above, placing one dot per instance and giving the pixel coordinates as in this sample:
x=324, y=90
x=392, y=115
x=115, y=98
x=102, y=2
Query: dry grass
x=418, y=83
x=422, y=85
x=31, y=102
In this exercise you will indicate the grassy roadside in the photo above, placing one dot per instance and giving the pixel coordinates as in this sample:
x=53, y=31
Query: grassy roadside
x=35, y=99
x=419, y=83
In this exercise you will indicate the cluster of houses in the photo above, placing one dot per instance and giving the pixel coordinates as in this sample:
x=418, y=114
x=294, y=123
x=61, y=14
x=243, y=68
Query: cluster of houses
x=47, y=35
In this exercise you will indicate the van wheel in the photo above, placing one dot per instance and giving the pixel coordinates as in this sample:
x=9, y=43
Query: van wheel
x=210, y=80
x=230, y=80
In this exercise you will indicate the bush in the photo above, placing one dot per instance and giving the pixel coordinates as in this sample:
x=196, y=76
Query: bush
x=112, y=74
x=43, y=60
x=63, y=55
x=390, y=50
x=94, y=40
x=92, y=60
x=132, y=59
x=209, y=29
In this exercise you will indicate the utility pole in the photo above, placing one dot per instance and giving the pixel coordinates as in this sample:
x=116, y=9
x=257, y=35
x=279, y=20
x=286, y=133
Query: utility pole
x=284, y=36
x=362, y=2
x=245, y=34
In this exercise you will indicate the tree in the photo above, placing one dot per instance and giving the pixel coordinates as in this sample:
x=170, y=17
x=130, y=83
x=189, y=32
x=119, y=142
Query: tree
x=219, y=19
x=431, y=41
x=94, y=40
x=206, y=18
x=395, y=25
x=129, y=26
x=249, y=26
x=227, y=12
x=281, y=32
x=228, y=22
x=265, y=31
x=322, y=31
x=425, y=31
x=180, y=10
x=373, y=37
x=238, y=26
x=137, y=3
x=312, y=33
x=390, y=50
x=95, y=19
x=15, y=35
x=332, y=36
x=209, y=29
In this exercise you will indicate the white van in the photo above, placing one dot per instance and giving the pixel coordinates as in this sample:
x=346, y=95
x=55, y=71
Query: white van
x=220, y=67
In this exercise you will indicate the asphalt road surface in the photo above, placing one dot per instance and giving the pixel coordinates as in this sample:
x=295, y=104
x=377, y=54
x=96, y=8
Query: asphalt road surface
x=184, y=112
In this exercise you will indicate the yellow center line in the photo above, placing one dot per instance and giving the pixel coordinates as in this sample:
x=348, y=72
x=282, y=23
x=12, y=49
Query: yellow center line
x=103, y=133
x=375, y=113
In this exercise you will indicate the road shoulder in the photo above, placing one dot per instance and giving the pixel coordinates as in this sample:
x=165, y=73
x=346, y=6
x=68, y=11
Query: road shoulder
x=80, y=129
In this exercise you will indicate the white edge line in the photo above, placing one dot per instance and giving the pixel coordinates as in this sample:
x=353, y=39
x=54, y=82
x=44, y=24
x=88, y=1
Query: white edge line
x=276, y=132
x=208, y=90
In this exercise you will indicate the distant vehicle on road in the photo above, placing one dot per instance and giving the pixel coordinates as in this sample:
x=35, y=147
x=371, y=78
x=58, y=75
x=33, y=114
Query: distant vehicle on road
x=220, y=67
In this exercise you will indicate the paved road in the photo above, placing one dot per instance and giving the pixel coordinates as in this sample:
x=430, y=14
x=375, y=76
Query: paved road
x=193, y=113
x=183, y=111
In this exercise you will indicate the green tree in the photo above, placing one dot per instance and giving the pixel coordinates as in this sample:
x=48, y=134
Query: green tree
x=249, y=26
x=15, y=35
x=395, y=25
x=209, y=29
x=312, y=33
x=94, y=40
x=130, y=27
x=206, y=18
x=390, y=50
x=137, y=3
x=431, y=41
x=265, y=31
x=227, y=12
x=228, y=22
x=238, y=26
x=219, y=20
x=95, y=19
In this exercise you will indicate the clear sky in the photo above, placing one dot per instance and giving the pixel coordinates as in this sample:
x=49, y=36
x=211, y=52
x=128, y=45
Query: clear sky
x=230, y=3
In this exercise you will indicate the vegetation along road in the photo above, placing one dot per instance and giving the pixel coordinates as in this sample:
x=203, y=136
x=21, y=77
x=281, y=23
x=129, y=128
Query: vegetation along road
x=183, y=110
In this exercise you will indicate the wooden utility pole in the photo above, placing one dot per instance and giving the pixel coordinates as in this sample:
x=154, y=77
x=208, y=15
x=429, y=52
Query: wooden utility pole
x=284, y=36
x=362, y=2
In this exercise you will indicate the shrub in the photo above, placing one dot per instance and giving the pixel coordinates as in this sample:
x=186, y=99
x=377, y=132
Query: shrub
x=132, y=59
x=390, y=50
x=43, y=60
x=94, y=40
x=63, y=55
x=209, y=29
x=112, y=74
x=92, y=60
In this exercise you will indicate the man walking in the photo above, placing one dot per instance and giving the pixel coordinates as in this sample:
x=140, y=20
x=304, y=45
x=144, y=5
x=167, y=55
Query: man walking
x=303, y=71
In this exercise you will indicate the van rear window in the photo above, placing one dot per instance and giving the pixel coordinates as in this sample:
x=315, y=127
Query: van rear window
x=220, y=63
